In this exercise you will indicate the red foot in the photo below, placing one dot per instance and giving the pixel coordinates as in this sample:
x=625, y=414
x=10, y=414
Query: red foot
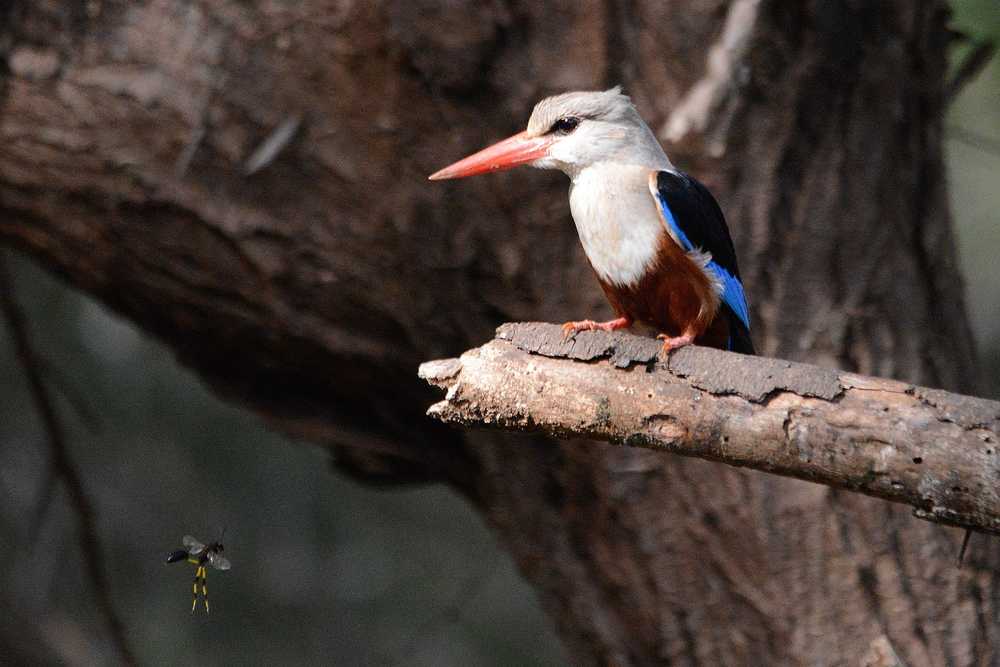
x=571, y=329
x=672, y=343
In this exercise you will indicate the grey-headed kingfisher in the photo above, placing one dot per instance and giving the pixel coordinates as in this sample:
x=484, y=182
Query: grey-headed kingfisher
x=655, y=237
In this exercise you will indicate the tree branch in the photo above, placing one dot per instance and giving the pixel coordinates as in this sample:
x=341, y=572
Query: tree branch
x=61, y=462
x=974, y=62
x=936, y=451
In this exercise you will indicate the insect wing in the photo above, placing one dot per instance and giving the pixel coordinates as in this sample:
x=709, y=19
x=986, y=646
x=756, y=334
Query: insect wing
x=218, y=561
x=193, y=546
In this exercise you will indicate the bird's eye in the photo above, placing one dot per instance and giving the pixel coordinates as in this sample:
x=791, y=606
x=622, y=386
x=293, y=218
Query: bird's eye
x=565, y=125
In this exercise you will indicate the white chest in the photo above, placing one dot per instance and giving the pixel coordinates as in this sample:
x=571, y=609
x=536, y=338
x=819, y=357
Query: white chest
x=617, y=221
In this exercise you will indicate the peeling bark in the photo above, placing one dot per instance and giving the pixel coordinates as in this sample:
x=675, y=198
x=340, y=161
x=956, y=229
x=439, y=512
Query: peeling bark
x=935, y=451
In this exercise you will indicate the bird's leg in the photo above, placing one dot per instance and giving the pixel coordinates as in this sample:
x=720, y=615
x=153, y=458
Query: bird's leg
x=671, y=343
x=571, y=329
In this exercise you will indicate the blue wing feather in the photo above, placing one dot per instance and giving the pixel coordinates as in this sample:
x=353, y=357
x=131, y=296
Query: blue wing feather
x=695, y=221
x=732, y=293
x=672, y=226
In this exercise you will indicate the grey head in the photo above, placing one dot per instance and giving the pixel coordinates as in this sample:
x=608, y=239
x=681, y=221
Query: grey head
x=594, y=127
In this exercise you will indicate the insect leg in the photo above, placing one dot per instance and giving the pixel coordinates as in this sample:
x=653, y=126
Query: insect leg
x=204, y=587
x=194, y=589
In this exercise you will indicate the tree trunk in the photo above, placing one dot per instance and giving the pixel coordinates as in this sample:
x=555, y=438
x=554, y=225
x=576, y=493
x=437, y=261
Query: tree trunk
x=246, y=181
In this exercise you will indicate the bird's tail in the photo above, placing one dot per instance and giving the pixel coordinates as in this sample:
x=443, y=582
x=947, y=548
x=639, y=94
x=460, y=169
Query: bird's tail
x=739, y=336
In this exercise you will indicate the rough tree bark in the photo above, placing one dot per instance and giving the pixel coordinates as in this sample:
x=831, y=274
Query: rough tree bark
x=312, y=287
x=928, y=448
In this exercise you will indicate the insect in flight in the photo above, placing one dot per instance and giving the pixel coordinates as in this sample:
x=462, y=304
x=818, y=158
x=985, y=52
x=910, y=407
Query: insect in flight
x=199, y=554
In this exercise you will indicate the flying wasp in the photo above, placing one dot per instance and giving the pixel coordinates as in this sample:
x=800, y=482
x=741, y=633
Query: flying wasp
x=199, y=554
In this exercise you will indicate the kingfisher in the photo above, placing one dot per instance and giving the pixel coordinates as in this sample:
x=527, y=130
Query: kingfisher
x=654, y=236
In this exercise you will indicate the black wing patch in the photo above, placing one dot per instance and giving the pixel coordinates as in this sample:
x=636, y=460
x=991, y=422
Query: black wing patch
x=694, y=218
x=698, y=215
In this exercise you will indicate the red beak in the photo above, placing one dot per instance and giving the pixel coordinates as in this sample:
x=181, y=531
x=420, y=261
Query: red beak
x=519, y=149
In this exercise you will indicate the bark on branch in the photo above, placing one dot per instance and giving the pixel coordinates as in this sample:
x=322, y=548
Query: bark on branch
x=934, y=450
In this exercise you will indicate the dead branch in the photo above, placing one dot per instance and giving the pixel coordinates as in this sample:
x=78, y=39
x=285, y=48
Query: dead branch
x=61, y=464
x=970, y=67
x=927, y=448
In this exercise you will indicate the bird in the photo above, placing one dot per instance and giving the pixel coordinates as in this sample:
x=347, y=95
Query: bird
x=654, y=236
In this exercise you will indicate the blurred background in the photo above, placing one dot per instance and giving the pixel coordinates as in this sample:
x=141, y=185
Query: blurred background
x=973, y=152
x=324, y=570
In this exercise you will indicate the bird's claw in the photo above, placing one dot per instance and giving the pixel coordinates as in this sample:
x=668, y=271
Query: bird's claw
x=671, y=343
x=571, y=329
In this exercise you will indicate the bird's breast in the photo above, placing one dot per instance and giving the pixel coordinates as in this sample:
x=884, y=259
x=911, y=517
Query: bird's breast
x=675, y=295
x=617, y=221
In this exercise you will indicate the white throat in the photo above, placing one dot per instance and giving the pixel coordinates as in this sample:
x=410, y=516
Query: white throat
x=617, y=220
